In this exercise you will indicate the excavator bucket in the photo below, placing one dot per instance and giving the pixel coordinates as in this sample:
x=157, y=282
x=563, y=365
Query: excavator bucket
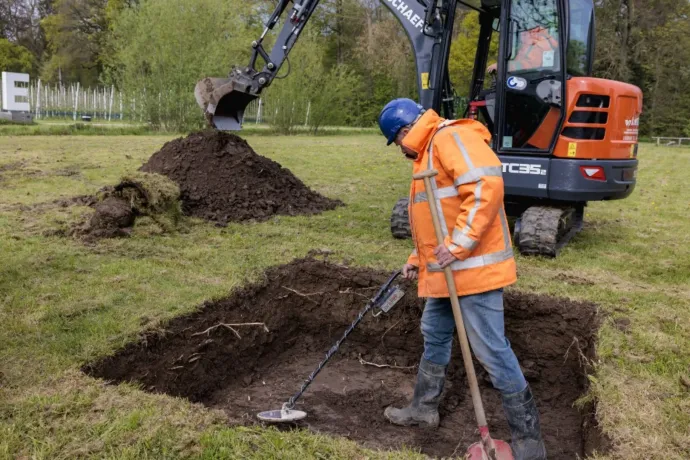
x=223, y=101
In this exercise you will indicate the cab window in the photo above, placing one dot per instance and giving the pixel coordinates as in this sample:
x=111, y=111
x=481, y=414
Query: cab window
x=534, y=36
x=579, y=54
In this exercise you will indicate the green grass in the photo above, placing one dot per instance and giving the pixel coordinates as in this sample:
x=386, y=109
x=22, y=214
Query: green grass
x=67, y=127
x=64, y=303
x=4, y=122
x=72, y=129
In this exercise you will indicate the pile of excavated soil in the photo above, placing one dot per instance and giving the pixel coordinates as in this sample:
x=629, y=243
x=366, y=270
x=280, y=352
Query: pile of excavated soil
x=306, y=305
x=222, y=179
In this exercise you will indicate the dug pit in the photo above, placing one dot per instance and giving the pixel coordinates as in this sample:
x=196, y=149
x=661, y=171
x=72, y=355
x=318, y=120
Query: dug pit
x=251, y=351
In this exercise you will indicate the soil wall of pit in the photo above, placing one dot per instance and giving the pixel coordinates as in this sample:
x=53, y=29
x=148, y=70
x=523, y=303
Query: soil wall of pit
x=306, y=306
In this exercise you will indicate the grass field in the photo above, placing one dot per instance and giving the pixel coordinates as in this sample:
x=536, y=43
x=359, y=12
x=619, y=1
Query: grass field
x=67, y=127
x=64, y=303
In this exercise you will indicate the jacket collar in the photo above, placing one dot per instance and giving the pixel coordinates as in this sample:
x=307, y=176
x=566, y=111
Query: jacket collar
x=421, y=133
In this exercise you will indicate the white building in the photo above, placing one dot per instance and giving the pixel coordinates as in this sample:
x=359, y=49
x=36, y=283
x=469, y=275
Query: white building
x=15, y=97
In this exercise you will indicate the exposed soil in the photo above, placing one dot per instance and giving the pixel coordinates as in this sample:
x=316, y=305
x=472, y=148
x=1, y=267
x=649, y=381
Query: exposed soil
x=573, y=280
x=223, y=180
x=79, y=200
x=306, y=305
x=622, y=324
x=11, y=166
x=112, y=217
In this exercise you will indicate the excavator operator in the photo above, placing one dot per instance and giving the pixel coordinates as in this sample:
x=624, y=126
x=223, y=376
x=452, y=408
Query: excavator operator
x=478, y=248
x=536, y=49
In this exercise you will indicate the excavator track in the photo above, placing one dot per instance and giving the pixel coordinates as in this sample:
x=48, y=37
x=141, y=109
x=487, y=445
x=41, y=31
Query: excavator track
x=400, y=219
x=544, y=230
x=541, y=230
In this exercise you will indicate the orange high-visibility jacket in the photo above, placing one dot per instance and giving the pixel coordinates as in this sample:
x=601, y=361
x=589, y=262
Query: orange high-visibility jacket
x=469, y=192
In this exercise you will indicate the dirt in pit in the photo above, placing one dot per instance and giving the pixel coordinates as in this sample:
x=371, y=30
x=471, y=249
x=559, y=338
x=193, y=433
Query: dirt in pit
x=223, y=180
x=306, y=305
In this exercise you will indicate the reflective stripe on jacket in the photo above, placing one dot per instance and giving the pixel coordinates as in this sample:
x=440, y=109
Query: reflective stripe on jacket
x=469, y=195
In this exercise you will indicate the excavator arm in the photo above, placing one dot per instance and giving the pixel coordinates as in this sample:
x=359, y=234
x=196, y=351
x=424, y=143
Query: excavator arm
x=427, y=23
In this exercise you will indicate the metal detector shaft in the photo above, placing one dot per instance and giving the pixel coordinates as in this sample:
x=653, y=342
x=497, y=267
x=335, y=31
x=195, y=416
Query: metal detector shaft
x=376, y=299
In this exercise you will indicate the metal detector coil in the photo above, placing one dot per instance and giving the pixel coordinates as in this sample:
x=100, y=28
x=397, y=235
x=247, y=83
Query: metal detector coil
x=285, y=414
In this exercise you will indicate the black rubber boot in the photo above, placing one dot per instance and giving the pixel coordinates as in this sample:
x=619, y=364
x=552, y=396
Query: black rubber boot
x=523, y=418
x=423, y=410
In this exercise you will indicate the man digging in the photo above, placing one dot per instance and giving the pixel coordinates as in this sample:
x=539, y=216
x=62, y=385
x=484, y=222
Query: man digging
x=478, y=248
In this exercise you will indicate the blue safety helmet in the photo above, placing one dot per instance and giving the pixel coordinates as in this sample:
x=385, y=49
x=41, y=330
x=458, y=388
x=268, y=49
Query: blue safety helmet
x=397, y=114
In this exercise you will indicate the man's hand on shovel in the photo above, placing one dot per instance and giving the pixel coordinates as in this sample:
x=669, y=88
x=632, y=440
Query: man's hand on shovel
x=443, y=256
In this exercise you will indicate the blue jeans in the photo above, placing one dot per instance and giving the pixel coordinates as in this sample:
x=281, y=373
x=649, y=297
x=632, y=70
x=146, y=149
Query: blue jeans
x=483, y=317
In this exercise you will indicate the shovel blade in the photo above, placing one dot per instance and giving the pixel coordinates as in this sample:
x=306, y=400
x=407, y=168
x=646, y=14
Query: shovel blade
x=500, y=451
x=223, y=102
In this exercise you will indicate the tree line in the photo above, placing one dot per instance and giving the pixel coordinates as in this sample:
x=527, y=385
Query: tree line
x=351, y=59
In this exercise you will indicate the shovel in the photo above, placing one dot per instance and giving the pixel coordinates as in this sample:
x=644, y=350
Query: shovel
x=487, y=448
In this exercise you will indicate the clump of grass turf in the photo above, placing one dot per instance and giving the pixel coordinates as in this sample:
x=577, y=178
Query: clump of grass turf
x=138, y=194
x=152, y=195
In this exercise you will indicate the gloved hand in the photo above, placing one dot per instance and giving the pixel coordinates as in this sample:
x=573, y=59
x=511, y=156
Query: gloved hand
x=410, y=272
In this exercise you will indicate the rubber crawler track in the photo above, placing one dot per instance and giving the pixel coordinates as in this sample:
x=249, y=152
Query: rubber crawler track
x=541, y=229
x=400, y=219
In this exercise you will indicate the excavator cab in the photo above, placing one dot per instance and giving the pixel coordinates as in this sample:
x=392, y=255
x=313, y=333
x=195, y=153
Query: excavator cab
x=564, y=138
x=531, y=98
x=530, y=107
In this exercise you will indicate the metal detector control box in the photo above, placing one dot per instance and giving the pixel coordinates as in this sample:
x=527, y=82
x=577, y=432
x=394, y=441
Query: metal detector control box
x=390, y=298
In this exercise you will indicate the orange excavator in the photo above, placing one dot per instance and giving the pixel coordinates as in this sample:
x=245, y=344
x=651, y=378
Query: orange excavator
x=564, y=137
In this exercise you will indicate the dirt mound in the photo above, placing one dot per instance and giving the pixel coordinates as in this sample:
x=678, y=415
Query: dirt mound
x=223, y=180
x=305, y=307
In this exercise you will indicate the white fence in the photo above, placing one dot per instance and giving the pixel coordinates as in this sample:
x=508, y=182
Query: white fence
x=673, y=141
x=73, y=102
x=260, y=110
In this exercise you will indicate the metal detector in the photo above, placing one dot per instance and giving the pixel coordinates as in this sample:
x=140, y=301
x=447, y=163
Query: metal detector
x=384, y=300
